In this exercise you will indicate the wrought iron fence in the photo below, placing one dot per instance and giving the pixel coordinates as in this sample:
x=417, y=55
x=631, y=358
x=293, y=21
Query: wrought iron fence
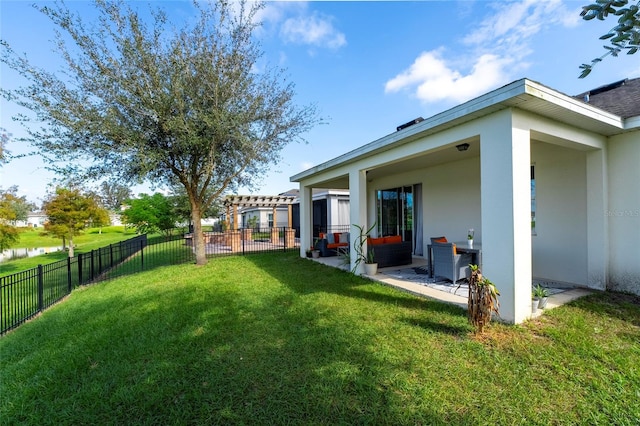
x=25, y=294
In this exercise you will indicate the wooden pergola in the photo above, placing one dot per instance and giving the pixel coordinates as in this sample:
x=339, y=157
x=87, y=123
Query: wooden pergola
x=273, y=201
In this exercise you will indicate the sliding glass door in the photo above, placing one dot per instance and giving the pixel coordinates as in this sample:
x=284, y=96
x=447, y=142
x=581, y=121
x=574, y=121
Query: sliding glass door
x=395, y=212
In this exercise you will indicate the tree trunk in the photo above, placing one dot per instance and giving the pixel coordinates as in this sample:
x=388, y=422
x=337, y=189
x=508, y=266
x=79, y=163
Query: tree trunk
x=71, y=246
x=198, y=237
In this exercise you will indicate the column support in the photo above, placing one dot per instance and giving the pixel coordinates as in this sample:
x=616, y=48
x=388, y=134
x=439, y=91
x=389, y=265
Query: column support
x=306, y=219
x=505, y=160
x=357, y=211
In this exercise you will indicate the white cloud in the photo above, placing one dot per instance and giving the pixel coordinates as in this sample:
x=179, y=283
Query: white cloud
x=295, y=24
x=495, y=51
x=315, y=29
x=514, y=23
x=435, y=81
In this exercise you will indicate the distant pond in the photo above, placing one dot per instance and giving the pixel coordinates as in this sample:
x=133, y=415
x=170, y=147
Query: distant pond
x=16, y=253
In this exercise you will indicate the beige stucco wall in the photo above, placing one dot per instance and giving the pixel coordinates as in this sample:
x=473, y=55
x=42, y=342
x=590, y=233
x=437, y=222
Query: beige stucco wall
x=282, y=216
x=559, y=246
x=623, y=213
x=450, y=195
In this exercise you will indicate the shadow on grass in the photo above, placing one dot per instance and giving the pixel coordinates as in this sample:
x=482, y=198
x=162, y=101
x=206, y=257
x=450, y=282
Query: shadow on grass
x=304, y=277
x=213, y=347
x=625, y=307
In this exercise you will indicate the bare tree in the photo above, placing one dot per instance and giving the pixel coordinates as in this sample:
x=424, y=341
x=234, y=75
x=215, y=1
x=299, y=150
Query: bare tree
x=145, y=101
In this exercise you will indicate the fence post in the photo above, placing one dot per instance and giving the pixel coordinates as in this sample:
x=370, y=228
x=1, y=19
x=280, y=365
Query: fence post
x=92, y=268
x=69, y=281
x=80, y=269
x=141, y=254
x=40, y=289
x=111, y=255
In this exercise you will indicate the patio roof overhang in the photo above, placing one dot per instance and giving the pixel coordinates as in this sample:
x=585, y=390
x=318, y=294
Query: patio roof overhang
x=523, y=94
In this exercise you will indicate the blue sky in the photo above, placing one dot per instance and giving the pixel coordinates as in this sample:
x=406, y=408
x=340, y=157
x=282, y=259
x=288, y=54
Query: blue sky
x=367, y=66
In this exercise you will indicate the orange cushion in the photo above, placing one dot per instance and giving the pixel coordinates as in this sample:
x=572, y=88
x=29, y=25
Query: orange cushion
x=323, y=236
x=393, y=239
x=455, y=251
x=375, y=241
x=336, y=237
x=440, y=240
x=336, y=245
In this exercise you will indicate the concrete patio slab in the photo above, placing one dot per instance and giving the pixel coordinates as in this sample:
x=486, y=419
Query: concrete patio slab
x=446, y=291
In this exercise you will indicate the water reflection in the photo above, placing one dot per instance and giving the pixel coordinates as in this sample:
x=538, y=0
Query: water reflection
x=16, y=253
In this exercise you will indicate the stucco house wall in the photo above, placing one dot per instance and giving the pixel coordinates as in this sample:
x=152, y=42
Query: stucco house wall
x=559, y=245
x=623, y=212
x=262, y=213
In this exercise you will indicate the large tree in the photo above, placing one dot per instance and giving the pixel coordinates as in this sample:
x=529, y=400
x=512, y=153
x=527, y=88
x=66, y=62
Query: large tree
x=12, y=209
x=113, y=195
x=150, y=213
x=141, y=100
x=623, y=37
x=69, y=212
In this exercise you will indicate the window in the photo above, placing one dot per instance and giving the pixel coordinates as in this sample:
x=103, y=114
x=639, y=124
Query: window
x=270, y=220
x=395, y=212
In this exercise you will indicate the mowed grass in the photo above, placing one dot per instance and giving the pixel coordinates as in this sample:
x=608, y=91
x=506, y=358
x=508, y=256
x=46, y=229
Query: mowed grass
x=276, y=339
x=91, y=239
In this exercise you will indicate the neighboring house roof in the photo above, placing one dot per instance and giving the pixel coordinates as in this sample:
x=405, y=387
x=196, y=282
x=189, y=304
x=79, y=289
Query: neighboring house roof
x=621, y=97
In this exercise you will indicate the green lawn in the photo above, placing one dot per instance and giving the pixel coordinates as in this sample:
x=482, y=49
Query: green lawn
x=91, y=239
x=275, y=339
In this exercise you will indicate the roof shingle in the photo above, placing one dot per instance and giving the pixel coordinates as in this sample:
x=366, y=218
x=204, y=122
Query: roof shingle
x=621, y=98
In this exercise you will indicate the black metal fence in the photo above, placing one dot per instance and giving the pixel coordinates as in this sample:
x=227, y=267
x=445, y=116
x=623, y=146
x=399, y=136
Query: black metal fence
x=25, y=294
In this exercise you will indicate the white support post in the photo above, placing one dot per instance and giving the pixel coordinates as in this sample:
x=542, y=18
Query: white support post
x=306, y=219
x=358, y=210
x=505, y=159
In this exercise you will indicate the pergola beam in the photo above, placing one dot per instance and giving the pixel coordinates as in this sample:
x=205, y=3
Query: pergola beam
x=259, y=200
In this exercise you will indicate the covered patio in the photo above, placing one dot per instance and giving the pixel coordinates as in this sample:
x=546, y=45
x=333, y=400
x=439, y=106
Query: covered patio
x=414, y=279
x=524, y=166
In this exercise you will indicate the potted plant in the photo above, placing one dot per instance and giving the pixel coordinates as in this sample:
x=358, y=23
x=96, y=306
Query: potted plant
x=534, y=304
x=542, y=294
x=370, y=265
x=312, y=252
x=360, y=255
x=470, y=238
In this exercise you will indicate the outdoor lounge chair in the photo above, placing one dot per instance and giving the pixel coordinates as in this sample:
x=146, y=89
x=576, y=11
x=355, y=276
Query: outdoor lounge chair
x=448, y=264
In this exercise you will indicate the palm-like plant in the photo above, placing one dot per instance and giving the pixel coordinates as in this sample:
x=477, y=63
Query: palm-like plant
x=483, y=299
